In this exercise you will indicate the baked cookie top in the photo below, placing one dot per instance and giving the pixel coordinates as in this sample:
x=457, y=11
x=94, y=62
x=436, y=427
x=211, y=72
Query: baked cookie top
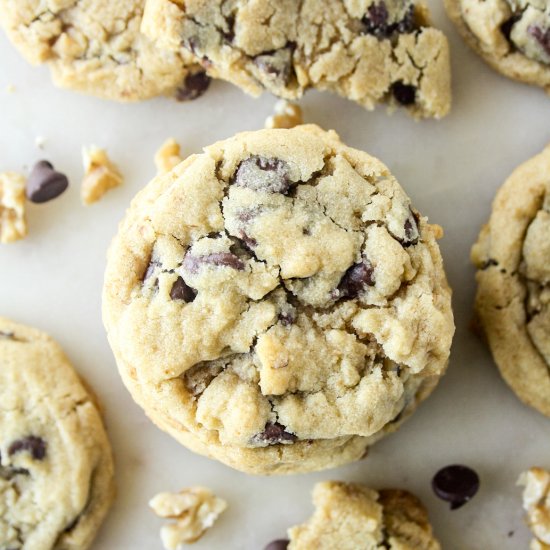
x=56, y=468
x=512, y=256
x=368, y=51
x=349, y=516
x=277, y=296
x=96, y=46
x=513, y=36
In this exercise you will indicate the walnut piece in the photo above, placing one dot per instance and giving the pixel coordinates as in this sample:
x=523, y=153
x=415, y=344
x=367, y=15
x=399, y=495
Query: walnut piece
x=194, y=510
x=100, y=175
x=168, y=156
x=13, y=224
x=287, y=115
x=536, y=502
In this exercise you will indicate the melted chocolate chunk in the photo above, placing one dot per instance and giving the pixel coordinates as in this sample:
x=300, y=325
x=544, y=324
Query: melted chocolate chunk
x=264, y=174
x=181, y=291
x=355, y=279
x=542, y=36
x=193, y=87
x=279, y=544
x=44, y=183
x=405, y=94
x=32, y=444
x=274, y=434
x=456, y=484
x=277, y=65
x=192, y=264
x=376, y=21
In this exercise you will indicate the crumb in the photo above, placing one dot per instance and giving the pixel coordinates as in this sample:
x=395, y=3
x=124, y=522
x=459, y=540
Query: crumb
x=100, y=175
x=536, y=502
x=194, y=510
x=13, y=224
x=168, y=156
x=287, y=115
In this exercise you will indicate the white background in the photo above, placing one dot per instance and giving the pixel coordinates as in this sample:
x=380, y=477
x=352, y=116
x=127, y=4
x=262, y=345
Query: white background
x=451, y=169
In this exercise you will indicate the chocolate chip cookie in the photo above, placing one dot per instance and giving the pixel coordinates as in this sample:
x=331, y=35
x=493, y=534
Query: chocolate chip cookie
x=513, y=36
x=349, y=516
x=276, y=303
x=512, y=256
x=368, y=51
x=96, y=46
x=56, y=468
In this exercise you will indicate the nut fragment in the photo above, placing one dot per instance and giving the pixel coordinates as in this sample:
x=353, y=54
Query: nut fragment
x=536, y=502
x=13, y=225
x=195, y=510
x=100, y=175
x=287, y=115
x=168, y=156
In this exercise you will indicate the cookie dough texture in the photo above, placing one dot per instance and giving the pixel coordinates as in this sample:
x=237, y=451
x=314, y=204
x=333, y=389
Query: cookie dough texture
x=349, y=516
x=56, y=469
x=536, y=503
x=512, y=256
x=275, y=302
x=95, y=46
x=513, y=36
x=13, y=219
x=369, y=52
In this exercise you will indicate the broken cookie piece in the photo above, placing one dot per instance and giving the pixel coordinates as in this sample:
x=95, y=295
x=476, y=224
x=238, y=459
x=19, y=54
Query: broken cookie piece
x=13, y=224
x=536, y=502
x=287, y=115
x=100, y=175
x=193, y=510
x=168, y=156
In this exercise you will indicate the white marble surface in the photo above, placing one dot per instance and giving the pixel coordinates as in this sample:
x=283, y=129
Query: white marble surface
x=451, y=169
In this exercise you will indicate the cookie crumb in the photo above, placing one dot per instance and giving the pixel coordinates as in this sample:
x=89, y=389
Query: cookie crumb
x=194, y=510
x=536, y=502
x=287, y=115
x=13, y=224
x=100, y=175
x=168, y=156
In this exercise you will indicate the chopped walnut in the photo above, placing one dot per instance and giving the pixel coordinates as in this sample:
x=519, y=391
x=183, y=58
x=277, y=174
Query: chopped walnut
x=194, y=510
x=287, y=115
x=100, y=175
x=13, y=224
x=168, y=156
x=536, y=502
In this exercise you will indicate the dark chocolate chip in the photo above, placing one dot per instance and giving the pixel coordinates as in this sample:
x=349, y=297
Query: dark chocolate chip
x=280, y=544
x=193, y=87
x=264, y=174
x=542, y=36
x=274, y=434
x=376, y=21
x=34, y=445
x=456, y=484
x=44, y=183
x=181, y=291
x=220, y=259
x=355, y=279
x=287, y=318
x=276, y=65
x=405, y=94
x=507, y=26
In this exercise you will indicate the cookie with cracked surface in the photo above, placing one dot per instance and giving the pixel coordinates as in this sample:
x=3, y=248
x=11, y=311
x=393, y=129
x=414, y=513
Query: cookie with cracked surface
x=349, y=516
x=512, y=256
x=369, y=51
x=95, y=46
x=275, y=302
x=56, y=468
x=512, y=36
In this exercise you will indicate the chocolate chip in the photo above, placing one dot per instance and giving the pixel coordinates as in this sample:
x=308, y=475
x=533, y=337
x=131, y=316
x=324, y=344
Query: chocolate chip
x=456, y=484
x=248, y=242
x=274, y=434
x=488, y=263
x=151, y=267
x=507, y=26
x=405, y=94
x=44, y=183
x=220, y=259
x=412, y=233
x=181, y=291
x=193, y=87
x=287, y=318
x=34, y=445
x=280, y=544
x=541, y=36
x=376, y=22
x=276, y=65
x=355, y=279
x=264, y=174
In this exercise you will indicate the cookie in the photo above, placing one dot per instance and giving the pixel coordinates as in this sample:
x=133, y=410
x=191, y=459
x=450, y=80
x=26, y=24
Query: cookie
x=369, y=52
x=536, y=503
x=276, y=303
x=95, y=46
x=56, y=468
x=349, y=516
x=512, y=256
x=512, y=36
